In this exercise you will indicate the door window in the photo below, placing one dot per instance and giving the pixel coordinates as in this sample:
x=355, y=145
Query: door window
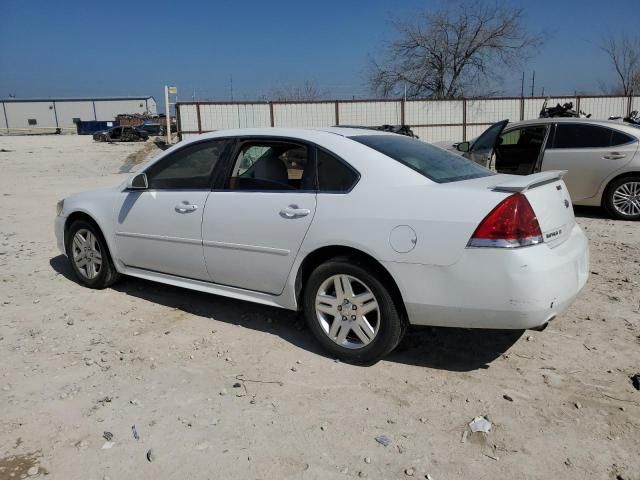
x=190, y=168
x=265, y=165
x=573, y=135
x=518, y=150
x=532, y=136
x=333, y=174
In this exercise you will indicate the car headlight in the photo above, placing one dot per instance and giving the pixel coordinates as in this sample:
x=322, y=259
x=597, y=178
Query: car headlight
x=59, y=207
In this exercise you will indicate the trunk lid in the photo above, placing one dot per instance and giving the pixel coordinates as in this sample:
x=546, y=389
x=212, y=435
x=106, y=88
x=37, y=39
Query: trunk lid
x=549, y=198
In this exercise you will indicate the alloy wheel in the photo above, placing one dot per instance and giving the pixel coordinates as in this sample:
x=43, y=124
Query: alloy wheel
x=626, y=199
x=347, y=311
x=86, y=253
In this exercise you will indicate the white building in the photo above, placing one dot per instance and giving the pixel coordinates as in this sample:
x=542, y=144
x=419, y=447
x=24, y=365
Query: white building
x=64, y=112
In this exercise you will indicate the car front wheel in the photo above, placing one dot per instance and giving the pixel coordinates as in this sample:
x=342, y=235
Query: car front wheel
x=623, y=198
x=351, y=312
x=89, y=256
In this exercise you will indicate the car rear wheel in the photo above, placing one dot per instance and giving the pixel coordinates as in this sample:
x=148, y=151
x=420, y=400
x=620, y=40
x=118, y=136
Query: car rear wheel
x=89, y=256
x=622, y=199
x=351, y=312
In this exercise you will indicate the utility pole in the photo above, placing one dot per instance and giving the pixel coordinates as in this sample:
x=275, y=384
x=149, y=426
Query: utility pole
x=231, y=86
x=522, y=86
x=533, y=82
x=167, y=108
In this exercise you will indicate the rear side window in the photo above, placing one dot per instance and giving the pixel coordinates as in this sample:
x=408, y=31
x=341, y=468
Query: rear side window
x=434, y=163
x=264, y=165
x=333, y=174
x=572, y=135
x=619, y=138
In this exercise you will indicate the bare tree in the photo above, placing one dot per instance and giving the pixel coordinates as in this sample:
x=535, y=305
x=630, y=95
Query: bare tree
x=307, y=90
x=453, y=52
x=624, y=54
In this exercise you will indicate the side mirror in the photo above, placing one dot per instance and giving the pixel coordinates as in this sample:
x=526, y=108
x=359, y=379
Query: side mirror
x=463, y=146
x=138, y=182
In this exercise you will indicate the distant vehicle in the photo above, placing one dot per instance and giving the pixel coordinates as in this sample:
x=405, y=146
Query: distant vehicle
x=121, y=134
x=365, y=231
x=600, y=156
x=156, y=128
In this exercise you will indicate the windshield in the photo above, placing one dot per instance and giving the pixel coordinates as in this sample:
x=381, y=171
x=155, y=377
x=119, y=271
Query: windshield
x=434, y=163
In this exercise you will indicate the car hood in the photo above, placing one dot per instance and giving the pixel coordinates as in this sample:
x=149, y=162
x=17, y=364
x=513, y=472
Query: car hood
x=98, y=192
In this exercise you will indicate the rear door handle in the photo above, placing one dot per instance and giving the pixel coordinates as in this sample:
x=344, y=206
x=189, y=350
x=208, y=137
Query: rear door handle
x=185, y=207
x=292, y=211
x=614, y=156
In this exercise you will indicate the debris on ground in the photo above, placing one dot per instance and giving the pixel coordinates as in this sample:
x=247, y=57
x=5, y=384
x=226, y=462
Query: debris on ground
x=635, y=381
x=108, y=436
x=508, y=398
x=107, y=445
x=409, y=472
x=480, y=424
x=150, y=456
x=384, y=440
x=135, y=432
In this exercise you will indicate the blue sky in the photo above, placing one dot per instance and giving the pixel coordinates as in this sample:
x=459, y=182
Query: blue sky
x=72, y=48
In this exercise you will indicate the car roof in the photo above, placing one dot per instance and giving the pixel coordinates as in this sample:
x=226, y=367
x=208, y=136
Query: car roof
x=309, y=134
x=609, y=123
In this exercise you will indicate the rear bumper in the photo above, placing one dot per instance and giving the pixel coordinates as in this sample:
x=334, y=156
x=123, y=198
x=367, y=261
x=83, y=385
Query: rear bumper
x=496, y=288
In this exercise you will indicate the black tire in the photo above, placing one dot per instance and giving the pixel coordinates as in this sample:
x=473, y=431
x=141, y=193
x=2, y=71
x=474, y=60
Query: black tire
x=392, y=325
x=609, y=198
x=107, y=274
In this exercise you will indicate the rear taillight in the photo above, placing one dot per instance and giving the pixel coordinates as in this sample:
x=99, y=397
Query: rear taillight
x=511, y=224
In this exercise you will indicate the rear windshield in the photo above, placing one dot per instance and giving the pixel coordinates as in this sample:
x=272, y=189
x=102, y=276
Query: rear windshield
x=434, y=163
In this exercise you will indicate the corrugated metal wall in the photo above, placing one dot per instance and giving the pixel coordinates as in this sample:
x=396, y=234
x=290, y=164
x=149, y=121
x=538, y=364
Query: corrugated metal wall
x=59, y=113
x=19, y=114
x=431, y=120
x=67, y=111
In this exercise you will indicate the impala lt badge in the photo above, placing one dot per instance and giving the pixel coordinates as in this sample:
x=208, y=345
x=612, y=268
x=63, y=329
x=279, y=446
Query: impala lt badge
x=554, y=234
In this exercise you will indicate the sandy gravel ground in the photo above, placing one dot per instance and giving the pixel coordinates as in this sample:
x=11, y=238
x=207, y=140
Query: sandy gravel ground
x=220, y=389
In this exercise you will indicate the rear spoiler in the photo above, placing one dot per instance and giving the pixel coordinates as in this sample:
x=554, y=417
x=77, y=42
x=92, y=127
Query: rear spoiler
x=520, y=184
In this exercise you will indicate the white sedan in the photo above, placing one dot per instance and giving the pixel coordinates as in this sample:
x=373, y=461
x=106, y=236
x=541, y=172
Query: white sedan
x=364, y=231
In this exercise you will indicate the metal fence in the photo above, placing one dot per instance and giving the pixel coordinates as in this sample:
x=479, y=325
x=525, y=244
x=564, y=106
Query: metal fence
x=431, y=120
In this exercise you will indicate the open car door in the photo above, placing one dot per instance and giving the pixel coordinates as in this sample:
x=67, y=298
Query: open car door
x=482, y=149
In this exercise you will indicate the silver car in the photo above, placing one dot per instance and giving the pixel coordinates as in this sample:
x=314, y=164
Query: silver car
x=601, y=157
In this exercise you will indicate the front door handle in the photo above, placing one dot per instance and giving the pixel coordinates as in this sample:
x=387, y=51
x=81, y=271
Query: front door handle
x=292, y=211
x=185, y=207
x=614, y=156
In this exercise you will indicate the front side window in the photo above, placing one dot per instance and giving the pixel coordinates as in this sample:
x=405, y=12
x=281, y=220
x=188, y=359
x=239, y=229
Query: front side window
x=267, y=165
x=434, y=163
x=190, y=168
x=573, y=135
